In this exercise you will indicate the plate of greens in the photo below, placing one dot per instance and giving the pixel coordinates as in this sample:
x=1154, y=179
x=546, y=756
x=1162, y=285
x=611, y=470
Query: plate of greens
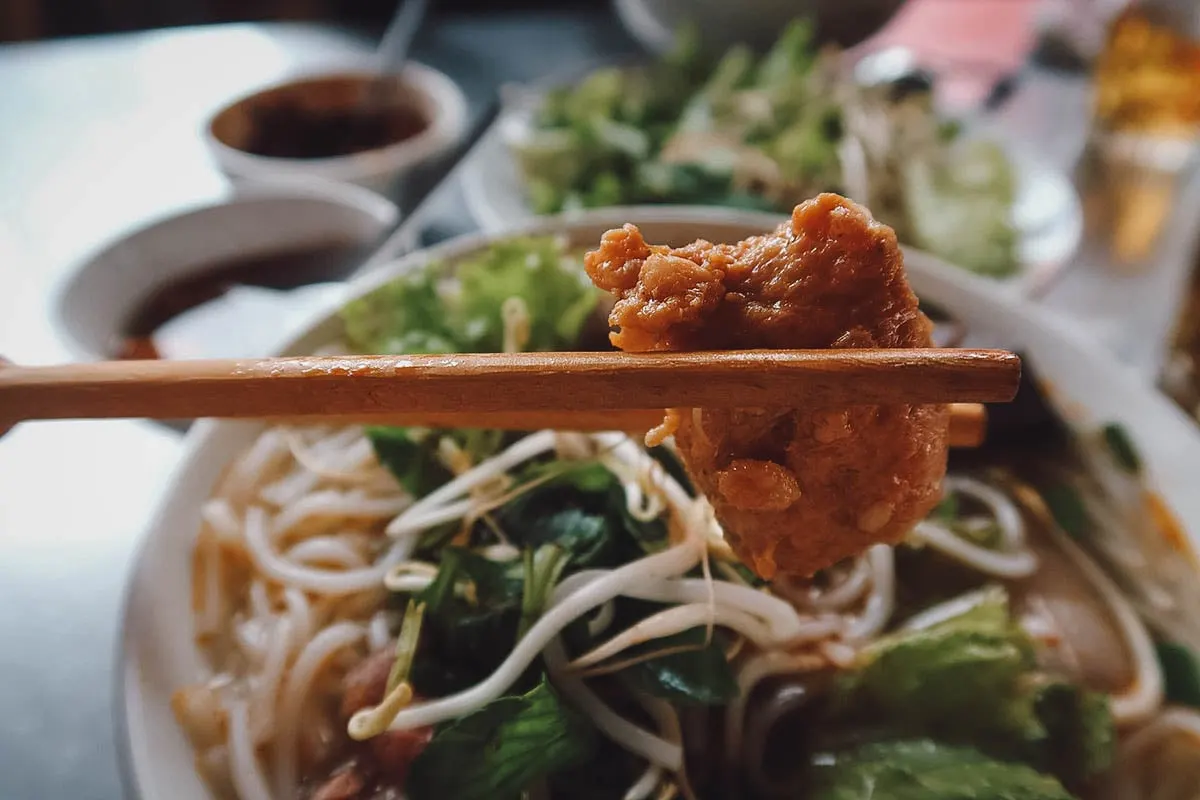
x=764, y=132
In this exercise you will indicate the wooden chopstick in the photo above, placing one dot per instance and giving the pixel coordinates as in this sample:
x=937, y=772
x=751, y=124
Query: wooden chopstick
x=968, y=421
x=356, y=386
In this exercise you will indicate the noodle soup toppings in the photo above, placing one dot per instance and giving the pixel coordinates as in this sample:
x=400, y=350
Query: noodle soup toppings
x=471, y=614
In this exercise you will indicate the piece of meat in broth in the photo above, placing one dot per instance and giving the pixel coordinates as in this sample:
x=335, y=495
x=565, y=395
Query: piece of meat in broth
x=796, y=489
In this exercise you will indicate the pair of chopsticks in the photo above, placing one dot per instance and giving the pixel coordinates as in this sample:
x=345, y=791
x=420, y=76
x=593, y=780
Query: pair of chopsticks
x=513, y=391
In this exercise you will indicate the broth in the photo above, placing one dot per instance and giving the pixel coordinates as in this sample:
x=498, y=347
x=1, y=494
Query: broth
x=292, y=131
x=280, y=269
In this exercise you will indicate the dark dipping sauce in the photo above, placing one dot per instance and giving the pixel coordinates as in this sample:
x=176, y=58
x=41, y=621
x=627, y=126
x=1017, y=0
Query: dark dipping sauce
x=280, y=269
x=295, y=131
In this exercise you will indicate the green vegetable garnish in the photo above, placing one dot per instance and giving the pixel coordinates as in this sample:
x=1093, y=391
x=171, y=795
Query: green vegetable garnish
x=1181, y=674
x=926, y=770
x=411, y=456
x=581, y=509
x=1122, y=449
x=1067, y=508
x=973, y=680
x=926, y=677
x=472, y=610
x=542, y=570
x=497, y=752
x=418, y=314
x=698, y=674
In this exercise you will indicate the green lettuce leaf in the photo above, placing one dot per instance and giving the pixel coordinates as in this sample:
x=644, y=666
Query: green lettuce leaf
x=558, y=296
x=497, y=752
x=926, y=677
x=973, y=680
x=925, y=770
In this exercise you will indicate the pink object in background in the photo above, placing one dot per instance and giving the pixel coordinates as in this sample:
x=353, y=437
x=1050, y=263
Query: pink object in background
x=968, y=43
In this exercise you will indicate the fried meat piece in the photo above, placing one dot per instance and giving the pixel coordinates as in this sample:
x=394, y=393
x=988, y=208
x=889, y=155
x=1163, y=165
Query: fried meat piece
x=796, y=489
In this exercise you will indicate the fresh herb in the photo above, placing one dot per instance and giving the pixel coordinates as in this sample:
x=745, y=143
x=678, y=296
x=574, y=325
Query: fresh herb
x=1067, y=508
x=406, y=645
x=581, y=509
x=542, y=570
x=473, y=608
x=497, y=752
x=411, y=456
x=1181, y=674
x=690, y=672
x=1121, y=446
x=925, y=770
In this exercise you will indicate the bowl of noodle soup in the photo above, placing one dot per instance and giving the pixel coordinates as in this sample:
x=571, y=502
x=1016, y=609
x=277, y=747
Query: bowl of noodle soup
x=339, y=612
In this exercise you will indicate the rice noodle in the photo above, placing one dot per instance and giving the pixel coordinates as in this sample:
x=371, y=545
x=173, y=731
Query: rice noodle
x=245, y=771
x=378, y=633
x=219, y=515
x=265, y=696
x=1013, y=560
x=1145, y=694
x=212, y=600
x=297, y=689
x=1011, y=565
x=300, y=615
x=882, y=599
x=260, y=601
x=268, y=453
x=332, y=582
x=335, y=503
x=343, y=457
x=326, y=551
x=838, y=597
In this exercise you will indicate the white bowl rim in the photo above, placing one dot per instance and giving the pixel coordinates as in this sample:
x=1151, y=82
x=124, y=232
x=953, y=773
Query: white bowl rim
x=447, y=124
x=956, y=280
x=281, y=189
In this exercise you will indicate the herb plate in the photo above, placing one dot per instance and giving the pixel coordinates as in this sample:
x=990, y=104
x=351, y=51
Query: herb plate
x=158, y=653
x=1047, y=214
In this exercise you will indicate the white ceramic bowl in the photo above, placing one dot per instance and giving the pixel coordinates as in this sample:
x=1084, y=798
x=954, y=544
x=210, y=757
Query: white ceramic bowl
x=97, y=298
x=383, y=169
x=158, y=653
x=655, y=23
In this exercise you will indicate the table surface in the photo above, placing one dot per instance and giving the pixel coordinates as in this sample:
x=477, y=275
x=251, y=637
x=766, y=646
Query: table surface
x=100, y=135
